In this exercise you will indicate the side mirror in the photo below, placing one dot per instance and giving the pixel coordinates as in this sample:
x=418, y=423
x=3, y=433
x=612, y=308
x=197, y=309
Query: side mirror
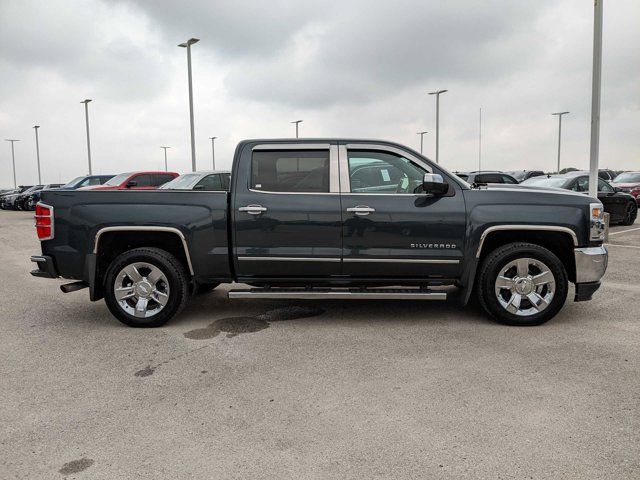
x=131, y=183
x=434, y=184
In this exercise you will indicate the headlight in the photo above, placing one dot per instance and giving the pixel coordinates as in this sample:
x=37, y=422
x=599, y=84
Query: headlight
x=597, y=225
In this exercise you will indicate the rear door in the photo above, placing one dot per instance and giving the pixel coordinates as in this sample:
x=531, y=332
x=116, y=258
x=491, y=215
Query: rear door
x=390, y=229
x=286, y=211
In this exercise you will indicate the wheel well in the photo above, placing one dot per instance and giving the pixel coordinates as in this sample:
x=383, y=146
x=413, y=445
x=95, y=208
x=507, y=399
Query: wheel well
x=112, y=244
x=560, y=243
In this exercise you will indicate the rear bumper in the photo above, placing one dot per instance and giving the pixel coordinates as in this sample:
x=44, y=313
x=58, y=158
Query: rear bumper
x=46, y=267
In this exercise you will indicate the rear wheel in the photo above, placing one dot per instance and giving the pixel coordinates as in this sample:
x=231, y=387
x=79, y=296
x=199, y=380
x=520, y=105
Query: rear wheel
x=522, y=284
x=630, y=213
x=146, y=287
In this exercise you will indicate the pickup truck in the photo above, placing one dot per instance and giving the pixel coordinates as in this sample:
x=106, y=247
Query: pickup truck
x=326, y=219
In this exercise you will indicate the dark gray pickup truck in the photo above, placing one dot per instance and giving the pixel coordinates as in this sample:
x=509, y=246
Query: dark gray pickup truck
x=326, y=219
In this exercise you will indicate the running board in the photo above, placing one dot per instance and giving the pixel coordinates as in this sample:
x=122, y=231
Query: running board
x=335, y=294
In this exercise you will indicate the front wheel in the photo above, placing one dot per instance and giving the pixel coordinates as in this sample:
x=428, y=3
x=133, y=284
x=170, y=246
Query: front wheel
x=522, y=284
x=146, y=287
x=630, y=213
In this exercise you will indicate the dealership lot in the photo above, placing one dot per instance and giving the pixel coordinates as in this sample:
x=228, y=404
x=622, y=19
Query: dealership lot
x=261, y=389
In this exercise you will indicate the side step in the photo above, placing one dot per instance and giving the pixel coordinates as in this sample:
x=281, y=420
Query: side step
x=339, y=294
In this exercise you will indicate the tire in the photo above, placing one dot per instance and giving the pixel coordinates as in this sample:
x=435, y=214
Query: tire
x=630, y=214
x=159, y=277
x=508, y=290
x=203, y=288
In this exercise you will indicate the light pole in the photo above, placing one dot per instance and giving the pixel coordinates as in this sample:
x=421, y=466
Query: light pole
x=297, y=122
x=86, y=116
x=595, y=99
x=213, y=152
x=480, y=142
x=13, y=159
x=36, y=127
x=559, y=114
x=421, y=138
x=437, y=94
x=166, y=169
x=187, y=45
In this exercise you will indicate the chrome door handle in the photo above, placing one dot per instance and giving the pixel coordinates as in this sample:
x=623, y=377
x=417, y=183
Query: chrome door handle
x=361, y=210
x=253, y=209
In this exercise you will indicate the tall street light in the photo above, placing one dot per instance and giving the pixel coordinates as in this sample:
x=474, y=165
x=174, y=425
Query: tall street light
x=297, y=122
x=213, y=152
x=13, y=159
x=86, y=116
x=36, y=127
x=559, y=114
x=595, y=99
x=187, y=45
x=480, y=142
x=166, y=169
x=421, y=138
x=437, y=94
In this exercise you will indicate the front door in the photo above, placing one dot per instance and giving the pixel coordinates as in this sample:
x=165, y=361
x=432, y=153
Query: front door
x=390, y=229
x=286, y=211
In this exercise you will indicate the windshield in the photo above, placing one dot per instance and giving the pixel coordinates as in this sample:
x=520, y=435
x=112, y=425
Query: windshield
x=518, y=174
x=627, y=177
x=182, y=182
x=73, y=182
x=555, y=182
x=118, y=179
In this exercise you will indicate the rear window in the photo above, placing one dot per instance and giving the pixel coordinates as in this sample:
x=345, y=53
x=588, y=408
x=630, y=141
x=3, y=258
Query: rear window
x=290, y=171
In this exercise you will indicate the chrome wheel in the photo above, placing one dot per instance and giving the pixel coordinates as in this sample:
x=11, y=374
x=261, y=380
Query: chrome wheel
x=141, y=289
x=525, y=286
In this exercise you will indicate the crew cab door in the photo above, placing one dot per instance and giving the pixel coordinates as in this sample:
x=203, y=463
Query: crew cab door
x=286, y=211
x=388, y=229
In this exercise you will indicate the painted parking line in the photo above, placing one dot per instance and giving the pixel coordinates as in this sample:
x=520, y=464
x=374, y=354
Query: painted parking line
x=624, y=231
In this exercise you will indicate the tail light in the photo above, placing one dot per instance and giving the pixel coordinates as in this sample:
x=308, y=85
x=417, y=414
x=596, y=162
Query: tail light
x=44, y=221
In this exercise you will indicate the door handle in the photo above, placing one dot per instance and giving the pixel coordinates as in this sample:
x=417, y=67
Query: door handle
x=253, y=209
x=361, y=210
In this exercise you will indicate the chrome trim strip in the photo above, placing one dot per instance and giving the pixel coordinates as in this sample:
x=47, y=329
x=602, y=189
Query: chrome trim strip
x=291, y=259
x=591, y=263
x=343, y=160
x=549, y=228
x=338, y=295
x=146, y=229
x=399, y=260
x=292, y=146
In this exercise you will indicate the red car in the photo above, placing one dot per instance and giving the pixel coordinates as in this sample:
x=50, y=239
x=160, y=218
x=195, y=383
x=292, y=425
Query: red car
x=628, y=182
x=135, y=181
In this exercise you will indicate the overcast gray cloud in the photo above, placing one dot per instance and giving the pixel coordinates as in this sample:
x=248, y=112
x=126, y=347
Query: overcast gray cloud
x=351, y=68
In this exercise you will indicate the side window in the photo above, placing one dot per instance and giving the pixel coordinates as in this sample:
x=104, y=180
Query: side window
x=383, y=172
x=581, y=185
x=489, y=178
x=93, y=181
x=161, y=179
x=85, y=182
x=604, y=186
x=143, y=180
x=290, y=171
x=209, y=183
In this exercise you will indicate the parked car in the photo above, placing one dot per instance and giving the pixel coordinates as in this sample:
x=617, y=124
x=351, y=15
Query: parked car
x=206, y=181
x=86, y=181
x=28, y=201
x=607, y=174
x=135, y=181
x=292, y=226
x=621, y=206
x=484, y=177
x=14, y=200
x=628, y=182
x=522, y=175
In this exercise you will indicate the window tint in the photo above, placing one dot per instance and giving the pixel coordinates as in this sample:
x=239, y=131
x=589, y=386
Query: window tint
x=209, y=183
x=161, y=179
x=382, y=172
x=290, y=171
x=489, y=178
x=143, y=180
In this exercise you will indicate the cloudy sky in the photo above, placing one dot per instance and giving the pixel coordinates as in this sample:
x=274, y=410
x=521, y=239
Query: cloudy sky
x=350, y=69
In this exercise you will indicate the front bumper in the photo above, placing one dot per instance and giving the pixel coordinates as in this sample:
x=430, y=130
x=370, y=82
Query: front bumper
x=591, y=264
x=46, y=267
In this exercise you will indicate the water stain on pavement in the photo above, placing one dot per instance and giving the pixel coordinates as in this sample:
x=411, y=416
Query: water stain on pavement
x=145, y=372
x=234, y=326
x=76, y=466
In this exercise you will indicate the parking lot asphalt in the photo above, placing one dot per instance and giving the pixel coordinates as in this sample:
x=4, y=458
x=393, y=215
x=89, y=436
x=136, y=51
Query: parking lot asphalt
x=258, y=389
